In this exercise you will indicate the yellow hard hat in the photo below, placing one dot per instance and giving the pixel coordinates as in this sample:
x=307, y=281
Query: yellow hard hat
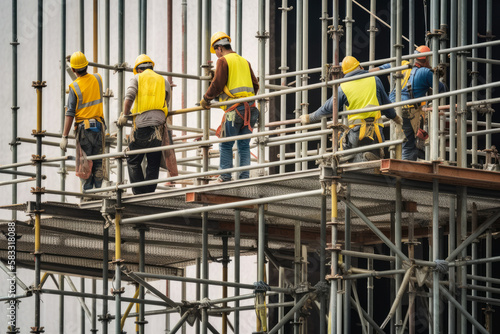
x=217, y=37
x=141, y=59
x=78, y=60
x=349, y=64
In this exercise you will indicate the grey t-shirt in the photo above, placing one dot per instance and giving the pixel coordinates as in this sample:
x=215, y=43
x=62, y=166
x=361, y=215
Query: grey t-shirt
x=151, y=117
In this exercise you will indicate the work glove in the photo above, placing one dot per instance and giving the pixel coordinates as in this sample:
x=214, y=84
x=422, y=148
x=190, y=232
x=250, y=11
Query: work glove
x=398, y=120
x=64, y=143
x=204, y=104
x=122, y=120
x=304, y=119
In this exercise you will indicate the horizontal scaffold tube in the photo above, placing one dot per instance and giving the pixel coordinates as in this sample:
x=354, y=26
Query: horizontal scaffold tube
x=249, y=307
x=100, y=296
x=29, y=163
x=212, y=282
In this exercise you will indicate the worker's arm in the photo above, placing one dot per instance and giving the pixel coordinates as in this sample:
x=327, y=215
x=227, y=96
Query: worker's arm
x=68, y=121
x=219, y=81
x=255, y=81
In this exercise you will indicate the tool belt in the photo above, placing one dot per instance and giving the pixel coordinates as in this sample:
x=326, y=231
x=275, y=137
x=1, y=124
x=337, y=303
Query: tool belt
x=368, y=127
x=91, y=124
x=220, y=133
x=414, y=114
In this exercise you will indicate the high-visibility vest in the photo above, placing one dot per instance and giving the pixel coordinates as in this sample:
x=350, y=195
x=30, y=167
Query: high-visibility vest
x=239, y=80
x=88, y=91
x=361, y=93
x=150, y=93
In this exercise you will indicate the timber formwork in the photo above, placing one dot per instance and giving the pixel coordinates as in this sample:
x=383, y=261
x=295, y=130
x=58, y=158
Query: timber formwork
x=436, y=218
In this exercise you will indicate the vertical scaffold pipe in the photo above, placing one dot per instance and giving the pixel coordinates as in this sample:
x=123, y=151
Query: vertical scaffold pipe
x=62, y=164
x=15, y=108
x=373, y=30
x=284, y=69
x=260, y=296
x=199, y=57
x=142, y=268
x=184, y=68
x=227, y=17
x=434, y=149
x=82, y=25
x=95, y=34
x=322, y=266
x=435, y=255
x=61, y=305
x=348, y=27
x=488, y=310
x=463, y=269
x=144, y=25
x=443, y=60
x=169, y=39
x=93, y=328
x=106, y=61
x=225, y=261
x=411, y=26
x=305, y=66
x=262, y=35
x=297, y=267
x=207, y=22
x=398, y=49
x=239, y=25
x=118, y=289
x=462, y=116
x=324, y=48
x=489, y=75
x=38, y=85
x=237, y=236
x=298, y=67
x=105, y=264
x=474, y=75
x=347, y=263
x=397, y=242
x=474, y=266
x=82, y=310
x=451, y=274
x=453, y=83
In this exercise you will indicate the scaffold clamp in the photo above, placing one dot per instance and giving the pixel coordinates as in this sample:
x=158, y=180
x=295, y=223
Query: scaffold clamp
x=37, y=330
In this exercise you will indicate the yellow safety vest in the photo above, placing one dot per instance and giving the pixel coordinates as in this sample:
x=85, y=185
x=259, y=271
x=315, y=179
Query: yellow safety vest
x=360, y=94
x=88, y=91
x=150, y=93
x=239, y=80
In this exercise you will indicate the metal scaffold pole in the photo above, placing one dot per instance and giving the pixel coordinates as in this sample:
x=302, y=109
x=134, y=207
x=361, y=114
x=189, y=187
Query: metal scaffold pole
x=298, y=67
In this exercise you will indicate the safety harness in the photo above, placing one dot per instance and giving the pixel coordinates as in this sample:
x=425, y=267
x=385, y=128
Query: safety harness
x=220, y=133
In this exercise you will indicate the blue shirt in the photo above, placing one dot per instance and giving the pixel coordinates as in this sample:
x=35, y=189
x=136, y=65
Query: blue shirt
x=326, y=109
x=420, y=80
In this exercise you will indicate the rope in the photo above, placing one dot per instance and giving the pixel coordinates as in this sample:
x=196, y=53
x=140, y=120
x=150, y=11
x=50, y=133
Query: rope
x=441, y=266
x=261, y=287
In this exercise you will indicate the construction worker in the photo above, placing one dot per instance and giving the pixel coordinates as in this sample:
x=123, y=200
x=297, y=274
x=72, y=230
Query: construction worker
x=85, y=107
x=149, y=93
x=233, y=79
x=415, y=83
x=364, y=128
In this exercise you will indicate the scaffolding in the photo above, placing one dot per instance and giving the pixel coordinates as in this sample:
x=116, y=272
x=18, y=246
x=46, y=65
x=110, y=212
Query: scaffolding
x=437, y=219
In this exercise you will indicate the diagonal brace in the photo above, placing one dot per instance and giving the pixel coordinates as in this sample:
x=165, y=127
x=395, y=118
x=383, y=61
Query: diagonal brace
x=376, y=230
x=473, y=236
x=459, y=307
x=148, y=286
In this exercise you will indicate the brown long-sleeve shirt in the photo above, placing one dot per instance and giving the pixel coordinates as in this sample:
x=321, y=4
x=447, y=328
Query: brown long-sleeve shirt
x=220, y=80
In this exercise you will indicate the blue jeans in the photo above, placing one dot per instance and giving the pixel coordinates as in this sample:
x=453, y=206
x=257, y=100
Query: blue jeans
x=91, y=144
x=352, y=141
x=144, y=138
x=410, y=150
x=232, y=129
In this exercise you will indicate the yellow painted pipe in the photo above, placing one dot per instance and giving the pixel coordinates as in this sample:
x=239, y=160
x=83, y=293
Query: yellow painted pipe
x=184, y=111
x=118, y=239
x=333, y=190
x=125, y=315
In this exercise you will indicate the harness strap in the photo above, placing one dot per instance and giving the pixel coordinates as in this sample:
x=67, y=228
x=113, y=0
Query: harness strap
x=246, y=118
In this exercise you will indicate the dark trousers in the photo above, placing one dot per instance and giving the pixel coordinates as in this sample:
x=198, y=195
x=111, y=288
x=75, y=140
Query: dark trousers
x=144, y=138
x=91, y=144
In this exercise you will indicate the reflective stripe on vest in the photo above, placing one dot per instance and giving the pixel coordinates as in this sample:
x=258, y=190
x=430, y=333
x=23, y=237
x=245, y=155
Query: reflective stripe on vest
x=361, y=93
x=150, y=93
x=89, y=97
x=239, y=79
